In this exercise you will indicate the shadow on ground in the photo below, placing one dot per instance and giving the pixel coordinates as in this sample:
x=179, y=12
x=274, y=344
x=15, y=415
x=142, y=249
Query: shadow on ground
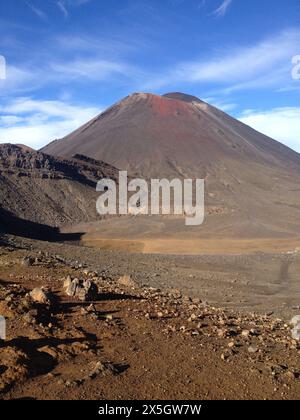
x=13, y=225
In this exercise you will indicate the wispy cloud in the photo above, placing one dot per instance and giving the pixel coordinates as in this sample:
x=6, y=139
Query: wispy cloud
x=82, y=71
x=17, y=80
x=222, y=9
x=282, y=124
x=36, y=122
x=64, y=5
x=63, y=8
x=38, y=12
x=106, y=46
x=267, y=62
x=90, y=69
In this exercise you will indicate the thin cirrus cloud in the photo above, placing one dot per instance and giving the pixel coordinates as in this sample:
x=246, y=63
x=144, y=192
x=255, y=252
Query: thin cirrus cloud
x=36, y=122
x=65, y=5
x=38, y=12
x=63, y=8
x=62, y=5
x=222, y=9
x=110, y=46
x=90, y=69
x=239, y=68
x=20, y=80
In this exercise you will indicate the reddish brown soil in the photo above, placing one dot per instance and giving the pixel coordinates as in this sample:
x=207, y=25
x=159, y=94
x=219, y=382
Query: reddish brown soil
x=151, y=344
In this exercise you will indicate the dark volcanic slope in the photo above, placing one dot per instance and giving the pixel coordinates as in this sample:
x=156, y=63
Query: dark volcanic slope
x=252, y=182
x=49, y=190
x=170, y=135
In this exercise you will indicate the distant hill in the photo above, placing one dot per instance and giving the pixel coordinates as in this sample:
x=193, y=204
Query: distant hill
x=48, y=190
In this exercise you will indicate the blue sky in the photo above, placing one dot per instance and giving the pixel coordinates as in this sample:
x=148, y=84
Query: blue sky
x=67, y=60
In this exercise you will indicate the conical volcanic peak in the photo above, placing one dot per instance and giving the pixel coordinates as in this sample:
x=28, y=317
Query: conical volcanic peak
x=250, y=179
x=172, y=135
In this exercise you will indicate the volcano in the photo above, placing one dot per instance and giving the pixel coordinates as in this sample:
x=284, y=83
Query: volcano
x=170, y=135
x=251, y=180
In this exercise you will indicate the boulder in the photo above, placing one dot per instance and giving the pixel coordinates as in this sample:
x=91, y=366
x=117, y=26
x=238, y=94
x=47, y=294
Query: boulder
x=72, y=287
x=39, y=295
x=84, y=290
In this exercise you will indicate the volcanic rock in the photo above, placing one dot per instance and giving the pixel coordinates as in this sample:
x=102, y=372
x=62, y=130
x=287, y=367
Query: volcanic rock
x=84, y=290
x=39, y=295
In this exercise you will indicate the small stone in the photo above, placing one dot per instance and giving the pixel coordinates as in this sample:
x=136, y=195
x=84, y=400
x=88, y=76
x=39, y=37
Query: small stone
x=172, y=328
x=81, y=294
x=71, y=288
x=222, y=333
x=38, y=295
x=252, y=349
x=296, y=333
x=30, y=317
x=196, y=301
x=127, y=282
x=25, y=304
x=254, y=332
x=27, y=261
x=83, y=311
x=49, y=350
x=231, y=344
x=103, y=368
x=87, y=291
x=71, y=383
x=295, y=320
x=291, y=375
x=67, y=282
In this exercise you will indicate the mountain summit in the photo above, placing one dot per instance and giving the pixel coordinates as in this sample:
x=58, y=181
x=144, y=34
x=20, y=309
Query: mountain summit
x=170, y=135
x=251, y=180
